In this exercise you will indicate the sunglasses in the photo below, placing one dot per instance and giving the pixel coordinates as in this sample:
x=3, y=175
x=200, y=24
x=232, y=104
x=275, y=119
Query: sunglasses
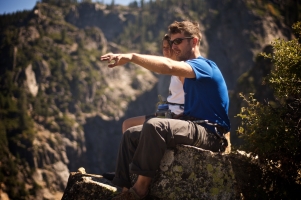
x=178, y=41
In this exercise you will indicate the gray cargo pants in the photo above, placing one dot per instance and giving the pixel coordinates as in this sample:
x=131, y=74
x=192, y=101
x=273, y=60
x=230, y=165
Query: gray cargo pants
x=142, y=147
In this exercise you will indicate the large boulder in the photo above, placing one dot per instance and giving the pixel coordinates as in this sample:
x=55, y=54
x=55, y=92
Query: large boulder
x=185, y=172
x=192, y=173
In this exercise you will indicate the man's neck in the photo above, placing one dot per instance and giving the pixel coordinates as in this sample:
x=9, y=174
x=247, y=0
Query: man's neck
x=195, y=55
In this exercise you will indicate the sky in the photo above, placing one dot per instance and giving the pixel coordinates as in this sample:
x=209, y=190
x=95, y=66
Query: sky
x=10, y=6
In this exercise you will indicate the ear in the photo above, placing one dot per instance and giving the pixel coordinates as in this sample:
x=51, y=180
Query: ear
x=195, y=41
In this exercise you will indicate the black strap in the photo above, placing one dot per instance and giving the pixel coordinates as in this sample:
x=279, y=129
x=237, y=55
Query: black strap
x=170, y=103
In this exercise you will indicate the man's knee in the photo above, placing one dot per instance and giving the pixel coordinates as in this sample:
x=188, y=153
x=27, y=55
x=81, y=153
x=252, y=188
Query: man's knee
x=155, y=128
x=150, y=124
x=127, y=133
x=132, y=133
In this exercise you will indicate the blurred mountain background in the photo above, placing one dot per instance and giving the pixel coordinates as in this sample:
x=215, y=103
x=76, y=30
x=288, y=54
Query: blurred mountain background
x=61, y=108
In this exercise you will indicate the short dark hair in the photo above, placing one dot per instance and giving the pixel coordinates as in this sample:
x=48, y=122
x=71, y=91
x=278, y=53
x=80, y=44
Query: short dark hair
x=166, y=37
x=189, y=28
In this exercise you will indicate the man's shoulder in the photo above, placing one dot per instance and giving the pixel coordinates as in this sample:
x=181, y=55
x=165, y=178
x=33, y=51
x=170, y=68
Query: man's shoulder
x=201, y=62
x=199, y=59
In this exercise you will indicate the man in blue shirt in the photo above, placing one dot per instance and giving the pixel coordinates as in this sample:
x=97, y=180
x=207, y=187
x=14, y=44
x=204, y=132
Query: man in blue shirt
x=206, y=100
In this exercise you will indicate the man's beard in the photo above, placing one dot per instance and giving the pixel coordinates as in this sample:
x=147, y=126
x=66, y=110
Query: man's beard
x=183, y=56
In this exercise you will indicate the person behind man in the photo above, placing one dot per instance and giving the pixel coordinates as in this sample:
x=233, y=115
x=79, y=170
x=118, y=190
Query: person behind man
x=175, y=98
x=206, y=98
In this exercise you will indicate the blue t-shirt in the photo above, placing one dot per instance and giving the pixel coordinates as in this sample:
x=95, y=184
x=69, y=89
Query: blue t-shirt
x=206, y=95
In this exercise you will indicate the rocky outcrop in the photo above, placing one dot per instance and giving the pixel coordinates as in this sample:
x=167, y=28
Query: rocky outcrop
x=89, y=186
x=185, y=173
x=52, y=152
x=88, y=14
x=191, y=173
x=240, y=34
x=31, y=81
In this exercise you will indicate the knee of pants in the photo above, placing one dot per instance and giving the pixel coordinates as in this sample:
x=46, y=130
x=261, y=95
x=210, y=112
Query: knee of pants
x=154, y=128
x=150, y=124
x=126, y=133
x=132, y=134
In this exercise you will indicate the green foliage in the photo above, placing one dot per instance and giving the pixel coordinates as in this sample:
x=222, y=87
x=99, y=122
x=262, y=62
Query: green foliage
x=286, y=78
x=16, y=126
x=8, y=175
x=65, y=123
x=15, y=129
x=273, y=130
x=3, y=138
x=17, y=18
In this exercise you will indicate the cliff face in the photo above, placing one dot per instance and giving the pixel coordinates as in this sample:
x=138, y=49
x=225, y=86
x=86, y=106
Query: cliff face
x=110, y=21
x=63, y=108
x=236, y=34
x=72, y=105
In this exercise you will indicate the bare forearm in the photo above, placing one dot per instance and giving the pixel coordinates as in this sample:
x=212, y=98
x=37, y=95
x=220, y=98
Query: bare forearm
x=157, y=64
x=163, y=65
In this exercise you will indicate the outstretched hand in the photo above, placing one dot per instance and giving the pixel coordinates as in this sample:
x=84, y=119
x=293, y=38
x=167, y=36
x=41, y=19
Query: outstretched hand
x=116, y=59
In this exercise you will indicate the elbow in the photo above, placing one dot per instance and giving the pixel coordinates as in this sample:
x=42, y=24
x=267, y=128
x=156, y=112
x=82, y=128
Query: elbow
x=167, y=69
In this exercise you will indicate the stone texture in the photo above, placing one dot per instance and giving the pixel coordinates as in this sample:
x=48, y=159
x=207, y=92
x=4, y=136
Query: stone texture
x=185, y=173
x=81, y=187
x=192, y=173
x=31, y=81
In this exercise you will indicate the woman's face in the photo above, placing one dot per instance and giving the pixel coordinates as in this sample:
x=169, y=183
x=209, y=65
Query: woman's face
x=166, y=49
